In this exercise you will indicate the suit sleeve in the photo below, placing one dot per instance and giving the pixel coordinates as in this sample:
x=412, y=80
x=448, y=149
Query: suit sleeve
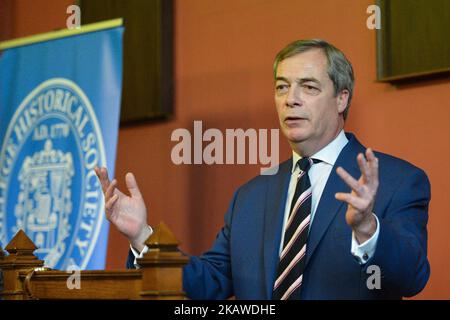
x=130, y=260
x=401, y=251
x=209, y=275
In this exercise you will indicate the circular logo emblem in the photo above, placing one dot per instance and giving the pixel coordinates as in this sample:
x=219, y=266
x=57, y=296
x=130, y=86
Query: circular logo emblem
x=48, y=187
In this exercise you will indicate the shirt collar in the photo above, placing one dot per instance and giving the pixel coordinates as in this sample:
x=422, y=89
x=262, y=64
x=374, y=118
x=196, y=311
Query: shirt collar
x=328, y=154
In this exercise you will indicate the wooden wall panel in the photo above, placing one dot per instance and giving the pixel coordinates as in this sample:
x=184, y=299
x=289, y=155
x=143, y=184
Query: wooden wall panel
x=148, y=54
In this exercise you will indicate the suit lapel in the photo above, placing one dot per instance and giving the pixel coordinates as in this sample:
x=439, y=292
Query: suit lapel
x=328, y=206
x=273, y=221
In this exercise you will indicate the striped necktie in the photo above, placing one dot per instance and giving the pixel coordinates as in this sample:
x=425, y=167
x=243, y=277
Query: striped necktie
x=292, y=258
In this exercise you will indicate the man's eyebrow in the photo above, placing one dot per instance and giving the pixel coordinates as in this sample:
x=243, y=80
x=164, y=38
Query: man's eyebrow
x=300, y=81
x=312, y=79
x=281, y=79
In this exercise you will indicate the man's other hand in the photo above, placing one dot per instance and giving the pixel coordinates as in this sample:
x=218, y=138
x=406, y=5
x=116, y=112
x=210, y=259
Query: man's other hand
x=127, y=213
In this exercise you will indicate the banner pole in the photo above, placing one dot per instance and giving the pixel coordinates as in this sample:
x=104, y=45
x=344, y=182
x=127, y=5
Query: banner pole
x=52, y=35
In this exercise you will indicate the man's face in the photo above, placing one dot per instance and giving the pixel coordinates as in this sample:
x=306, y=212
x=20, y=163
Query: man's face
x=310, y=114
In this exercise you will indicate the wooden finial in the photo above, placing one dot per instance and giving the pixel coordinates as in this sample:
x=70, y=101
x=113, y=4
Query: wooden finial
x=20, y=259
x=21, y=247
x=162, y=238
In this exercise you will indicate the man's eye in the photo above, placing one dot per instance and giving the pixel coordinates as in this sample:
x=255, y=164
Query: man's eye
x=281, y=87
x=311, y=89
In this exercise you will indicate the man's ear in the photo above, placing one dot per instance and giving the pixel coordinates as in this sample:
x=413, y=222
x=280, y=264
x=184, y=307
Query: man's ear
x=342, y=100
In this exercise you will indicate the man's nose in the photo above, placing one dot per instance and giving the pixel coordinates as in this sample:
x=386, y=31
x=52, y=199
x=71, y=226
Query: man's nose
x=293, y=98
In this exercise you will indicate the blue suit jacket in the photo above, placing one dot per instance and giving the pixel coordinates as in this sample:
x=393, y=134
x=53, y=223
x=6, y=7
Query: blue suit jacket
x=243, y=260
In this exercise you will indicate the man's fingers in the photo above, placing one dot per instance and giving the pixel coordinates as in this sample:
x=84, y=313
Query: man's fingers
x=370, y=155
x=110, y=205
x=355, y=201
x=350, y=181
x=102, y=175
x=110, y=191
x=364, y=168
x=132, y=185
x=373, y=165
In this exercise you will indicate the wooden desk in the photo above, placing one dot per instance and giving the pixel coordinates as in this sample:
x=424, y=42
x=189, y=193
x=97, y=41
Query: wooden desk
x=160, y=275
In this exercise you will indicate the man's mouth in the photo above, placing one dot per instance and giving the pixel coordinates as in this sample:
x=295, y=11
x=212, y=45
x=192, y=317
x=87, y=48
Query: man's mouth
x=293, y=119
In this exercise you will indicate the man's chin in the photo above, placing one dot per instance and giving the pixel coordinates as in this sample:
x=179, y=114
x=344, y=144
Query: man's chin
x=296, y=136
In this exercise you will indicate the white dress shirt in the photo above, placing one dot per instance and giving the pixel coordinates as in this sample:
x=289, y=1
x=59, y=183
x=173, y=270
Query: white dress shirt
x=318, y=175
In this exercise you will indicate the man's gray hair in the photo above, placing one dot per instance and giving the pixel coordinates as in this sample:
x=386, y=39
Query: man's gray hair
x=339, y=70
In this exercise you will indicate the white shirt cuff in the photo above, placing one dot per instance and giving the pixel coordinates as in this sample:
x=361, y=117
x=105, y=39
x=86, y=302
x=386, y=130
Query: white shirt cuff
x=138, y=254
x=364, y=251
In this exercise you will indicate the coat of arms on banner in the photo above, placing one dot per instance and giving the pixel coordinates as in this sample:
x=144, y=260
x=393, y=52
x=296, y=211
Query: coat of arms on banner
x=44, y=201
x=48, y=186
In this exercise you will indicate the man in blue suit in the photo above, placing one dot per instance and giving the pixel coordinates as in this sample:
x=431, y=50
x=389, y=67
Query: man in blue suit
x=312, y=230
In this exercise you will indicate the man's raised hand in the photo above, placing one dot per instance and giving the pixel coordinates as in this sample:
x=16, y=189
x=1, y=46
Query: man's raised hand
x=362, y=197
x=127, y=213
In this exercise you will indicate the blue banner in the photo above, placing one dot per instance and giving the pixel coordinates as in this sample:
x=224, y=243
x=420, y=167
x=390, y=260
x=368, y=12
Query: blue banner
x=59, y=116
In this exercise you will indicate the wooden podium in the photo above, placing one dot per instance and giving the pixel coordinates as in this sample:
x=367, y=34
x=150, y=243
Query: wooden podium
x=160, y=275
